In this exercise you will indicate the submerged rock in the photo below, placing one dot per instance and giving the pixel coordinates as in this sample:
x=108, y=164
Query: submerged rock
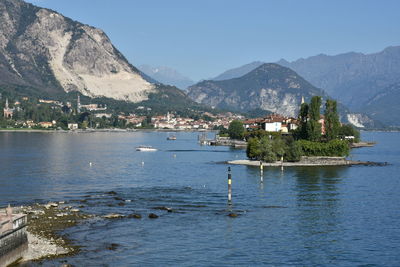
x=135, y=216
x=51, y=205
x=153, y=216
x=163, y=208
x=113, y=246
x=113, y=216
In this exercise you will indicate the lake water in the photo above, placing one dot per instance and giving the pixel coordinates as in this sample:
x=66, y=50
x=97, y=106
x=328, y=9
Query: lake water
x=301, y=216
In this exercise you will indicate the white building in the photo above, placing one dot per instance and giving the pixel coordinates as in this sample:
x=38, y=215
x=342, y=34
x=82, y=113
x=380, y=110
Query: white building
x=72, y=126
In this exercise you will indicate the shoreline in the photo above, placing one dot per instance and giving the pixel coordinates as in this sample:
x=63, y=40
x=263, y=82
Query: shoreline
x=362, y=144
x=44, y=229
x=308, y=162
x=116, y=130
x=12, y=130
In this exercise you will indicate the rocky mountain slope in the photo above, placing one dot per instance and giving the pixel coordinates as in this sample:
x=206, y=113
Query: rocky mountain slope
x=41, y=49
x=269, y=87
x=167, y=75
x=384, y=106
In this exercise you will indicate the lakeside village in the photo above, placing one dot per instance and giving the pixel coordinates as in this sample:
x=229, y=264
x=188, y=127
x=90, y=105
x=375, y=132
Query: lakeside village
x=268, y=139
x=46, y=114
x=26, y=113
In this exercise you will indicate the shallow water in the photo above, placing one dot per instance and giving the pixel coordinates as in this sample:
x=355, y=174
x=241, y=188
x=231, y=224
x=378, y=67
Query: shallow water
x=305, y=216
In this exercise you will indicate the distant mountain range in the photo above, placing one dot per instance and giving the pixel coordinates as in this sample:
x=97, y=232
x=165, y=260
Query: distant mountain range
x=167, y=75
x=384, y=106
x=269, y=87
x=238, y=72
x=354, y=79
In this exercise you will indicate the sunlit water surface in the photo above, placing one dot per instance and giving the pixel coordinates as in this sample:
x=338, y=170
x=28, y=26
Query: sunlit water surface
x=346, y=216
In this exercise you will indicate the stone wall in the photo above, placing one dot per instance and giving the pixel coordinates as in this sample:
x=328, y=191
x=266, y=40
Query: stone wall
x=12, y=245
x=324, y=160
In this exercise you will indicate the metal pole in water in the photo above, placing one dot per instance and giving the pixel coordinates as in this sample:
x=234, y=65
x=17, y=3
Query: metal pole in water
x=282, y=163
x=261, y=171
x=229, y=184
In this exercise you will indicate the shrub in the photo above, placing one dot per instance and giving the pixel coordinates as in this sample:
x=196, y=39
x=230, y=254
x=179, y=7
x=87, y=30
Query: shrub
x=332, y=148
x=293, y=152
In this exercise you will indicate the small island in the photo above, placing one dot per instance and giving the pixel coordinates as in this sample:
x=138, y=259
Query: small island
x=312, y=139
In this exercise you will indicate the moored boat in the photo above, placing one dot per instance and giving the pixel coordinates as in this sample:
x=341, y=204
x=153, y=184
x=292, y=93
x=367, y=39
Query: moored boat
x=146, y=148
x=172, y=137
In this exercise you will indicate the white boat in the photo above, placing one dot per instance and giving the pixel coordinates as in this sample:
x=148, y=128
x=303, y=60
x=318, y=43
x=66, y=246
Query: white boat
x=146, y=148
x=172, y=137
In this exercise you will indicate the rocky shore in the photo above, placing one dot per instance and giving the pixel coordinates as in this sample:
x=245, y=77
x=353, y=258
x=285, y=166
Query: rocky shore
x=45, y=222
x=39, y=248
x=362, y=144
x=308, y=161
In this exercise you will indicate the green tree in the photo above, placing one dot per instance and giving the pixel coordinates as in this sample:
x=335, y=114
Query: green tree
x=313, y=126
x=236, y=130
x=293, y=152
x=253, y=150
x=278, y=147
x=266, y=148
x=332, y=124
x=302, y=132
x=315, y=107
x=222, y=130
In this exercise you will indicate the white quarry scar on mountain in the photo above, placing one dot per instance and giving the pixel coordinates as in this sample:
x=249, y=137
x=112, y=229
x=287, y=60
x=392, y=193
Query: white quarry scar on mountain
x=355, y=119
x=123, y=84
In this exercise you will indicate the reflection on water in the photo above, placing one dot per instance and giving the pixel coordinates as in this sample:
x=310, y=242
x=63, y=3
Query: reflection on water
x=299, y=216
x=318, y=209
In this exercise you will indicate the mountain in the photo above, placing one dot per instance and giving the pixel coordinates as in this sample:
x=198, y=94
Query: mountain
x=269, y=87
x=45, y=52
x=384, y=106
x=352, y=78
x=238, y=72
x=167, y=75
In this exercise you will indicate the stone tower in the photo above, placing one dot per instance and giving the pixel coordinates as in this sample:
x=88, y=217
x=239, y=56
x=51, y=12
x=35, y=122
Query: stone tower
x=78, y=105
x=7, y=111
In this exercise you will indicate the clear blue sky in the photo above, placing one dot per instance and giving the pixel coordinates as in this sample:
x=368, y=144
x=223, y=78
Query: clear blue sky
x=203, y=38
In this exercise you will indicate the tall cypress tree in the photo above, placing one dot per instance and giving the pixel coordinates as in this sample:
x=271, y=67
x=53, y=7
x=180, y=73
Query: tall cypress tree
x=303, y=118
x=313, y=126
x=332, y=124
